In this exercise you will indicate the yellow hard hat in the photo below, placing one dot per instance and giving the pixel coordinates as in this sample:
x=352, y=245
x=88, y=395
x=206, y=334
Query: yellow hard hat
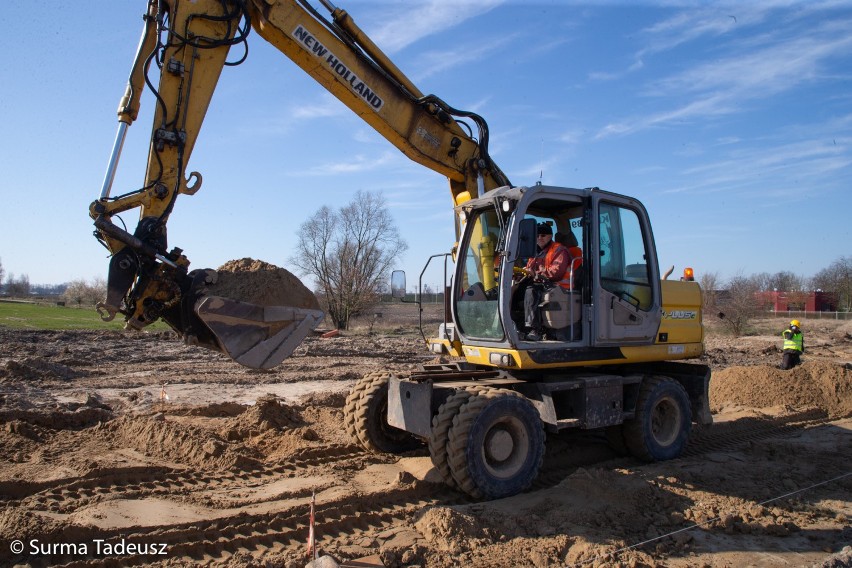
x=794, y=323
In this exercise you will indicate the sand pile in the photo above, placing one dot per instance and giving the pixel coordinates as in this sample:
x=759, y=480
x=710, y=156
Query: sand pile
x=814, y=384
x=261, y=283
x=268, y=413
x=451, y=530
x=180, y=443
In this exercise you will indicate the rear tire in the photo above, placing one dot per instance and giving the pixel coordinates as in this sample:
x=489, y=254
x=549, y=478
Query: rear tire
x=660, y=429
x=366, y=417
x=350, y=409
x=496, y=445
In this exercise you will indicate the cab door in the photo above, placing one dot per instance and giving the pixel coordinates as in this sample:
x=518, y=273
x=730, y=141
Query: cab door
x=626, y=278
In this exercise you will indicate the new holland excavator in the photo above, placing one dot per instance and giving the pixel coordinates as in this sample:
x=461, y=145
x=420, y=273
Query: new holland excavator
x=613, y=338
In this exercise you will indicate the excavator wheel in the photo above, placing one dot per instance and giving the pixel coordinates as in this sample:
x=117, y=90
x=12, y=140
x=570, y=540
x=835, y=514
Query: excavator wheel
x=441, y=424
x=351, y=407
x=660, y=428
x=366, y=416
x=495, y=445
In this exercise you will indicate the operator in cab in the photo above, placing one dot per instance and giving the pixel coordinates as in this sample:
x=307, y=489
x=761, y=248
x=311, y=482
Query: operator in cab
x=550, y=266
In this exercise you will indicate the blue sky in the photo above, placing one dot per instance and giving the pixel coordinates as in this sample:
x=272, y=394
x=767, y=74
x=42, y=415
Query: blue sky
x=731, y=121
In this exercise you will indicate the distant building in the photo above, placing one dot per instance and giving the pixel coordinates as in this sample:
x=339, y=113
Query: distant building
x=798, y=301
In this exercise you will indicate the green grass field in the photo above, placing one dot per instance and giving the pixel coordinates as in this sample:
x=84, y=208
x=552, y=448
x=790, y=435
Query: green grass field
x=22, y=315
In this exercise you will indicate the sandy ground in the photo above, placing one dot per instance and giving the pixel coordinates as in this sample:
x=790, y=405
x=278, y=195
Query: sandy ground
x=127, y=449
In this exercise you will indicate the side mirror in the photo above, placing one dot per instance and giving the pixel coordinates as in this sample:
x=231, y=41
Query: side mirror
x=398, y=284
x=526, y=238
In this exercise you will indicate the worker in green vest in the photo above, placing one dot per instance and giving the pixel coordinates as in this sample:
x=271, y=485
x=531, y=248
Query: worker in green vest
x=794, y=345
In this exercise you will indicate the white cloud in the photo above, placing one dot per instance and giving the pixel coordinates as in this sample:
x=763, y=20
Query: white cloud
x=422, y=19
x=355, y=164
x=460, y=55
x=753, y=69
x=769, y=169
x=323, y=109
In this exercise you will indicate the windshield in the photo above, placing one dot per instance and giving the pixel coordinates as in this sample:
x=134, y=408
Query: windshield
x=477, y=286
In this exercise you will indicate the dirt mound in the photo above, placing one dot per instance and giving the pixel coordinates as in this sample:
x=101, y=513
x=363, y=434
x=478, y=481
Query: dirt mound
x=214, y=410
x=261, y=283
x=31, y=369
x=25, y=408
x=813, y=384
x=180, y=443
x=842, y=333
x=58, y=419
x=325, y=399
x=268, y=413
x=17, y=524
x=451, y=530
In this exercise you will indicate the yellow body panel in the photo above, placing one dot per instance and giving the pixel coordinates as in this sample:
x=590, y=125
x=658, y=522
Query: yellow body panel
x=680, y=336
x=479, y=355
x=682, y=316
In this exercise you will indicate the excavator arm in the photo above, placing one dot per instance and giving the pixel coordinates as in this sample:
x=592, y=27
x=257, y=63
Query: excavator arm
x=188, y=44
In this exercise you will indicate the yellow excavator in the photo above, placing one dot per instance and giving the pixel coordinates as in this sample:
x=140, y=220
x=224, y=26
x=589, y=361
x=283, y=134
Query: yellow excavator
x=611, y=339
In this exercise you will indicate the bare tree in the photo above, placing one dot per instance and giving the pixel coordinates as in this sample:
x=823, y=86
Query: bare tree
x=786, y=281
x=837, y=280
x=81, y=292
x=349, y=252
x=2, y=273
x=739, y=305
x=19, y=287
x=709, y=282
x=763, y=280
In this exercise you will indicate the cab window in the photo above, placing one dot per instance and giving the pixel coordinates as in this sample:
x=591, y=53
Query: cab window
x=477, y=294
x=624, y=267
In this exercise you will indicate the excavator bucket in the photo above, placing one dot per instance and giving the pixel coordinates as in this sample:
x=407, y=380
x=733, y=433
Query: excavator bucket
x=256, y=336
x=253, y=312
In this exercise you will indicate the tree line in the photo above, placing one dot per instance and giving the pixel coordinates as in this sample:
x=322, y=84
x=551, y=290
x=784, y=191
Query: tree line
x=737, y=301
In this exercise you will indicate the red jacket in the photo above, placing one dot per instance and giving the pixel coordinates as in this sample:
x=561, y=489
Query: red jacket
x=554, y=263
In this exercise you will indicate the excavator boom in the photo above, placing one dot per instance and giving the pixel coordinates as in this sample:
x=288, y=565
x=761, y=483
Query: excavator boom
x=188, y=44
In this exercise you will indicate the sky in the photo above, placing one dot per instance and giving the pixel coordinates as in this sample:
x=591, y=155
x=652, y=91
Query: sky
x=730, y=121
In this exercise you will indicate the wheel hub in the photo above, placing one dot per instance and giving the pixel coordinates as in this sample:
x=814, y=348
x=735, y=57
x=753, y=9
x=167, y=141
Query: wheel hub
x=665, y=422
x=499, y=445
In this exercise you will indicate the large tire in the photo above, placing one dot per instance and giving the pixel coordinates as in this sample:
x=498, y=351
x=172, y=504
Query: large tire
x=441, y=424
x=350, y=409
x=367, y=417
x=439, y=434
x=496, y=445
x=660, y=428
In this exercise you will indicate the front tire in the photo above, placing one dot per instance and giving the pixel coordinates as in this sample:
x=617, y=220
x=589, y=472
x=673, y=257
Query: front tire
x=439, y=435
x=660, y=429
x=496, y=445
x=366, y=417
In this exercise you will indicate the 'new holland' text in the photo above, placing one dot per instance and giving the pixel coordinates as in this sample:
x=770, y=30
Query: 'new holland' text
x=346, y=75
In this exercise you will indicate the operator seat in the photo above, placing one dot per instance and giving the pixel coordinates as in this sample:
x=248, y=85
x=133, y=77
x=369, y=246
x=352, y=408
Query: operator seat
x=561, y=308
x=569, y=241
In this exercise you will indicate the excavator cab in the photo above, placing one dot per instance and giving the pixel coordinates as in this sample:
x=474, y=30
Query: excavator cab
x=610, y=296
